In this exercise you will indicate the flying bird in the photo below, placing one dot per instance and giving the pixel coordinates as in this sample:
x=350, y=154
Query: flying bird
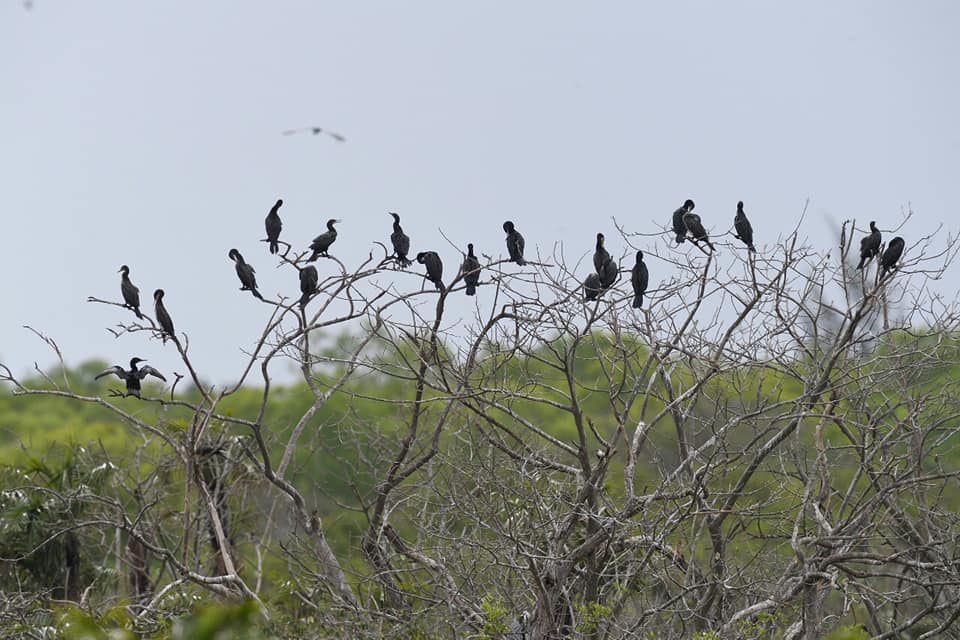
x=133, y=376
x=308, y=283
x=695, y=228
x=163, y=318
x=890, y=257
x=322, y=242
x=434, y=266
x=743, y=227
x=315, y=131
x=400, y=242
x=515, y=243
x=678, y=227
x=274, y=225
x=639, y=278
x=870, y=245
x=471, y=271
x=592, y=287
x=246, y=273
x=131, y=295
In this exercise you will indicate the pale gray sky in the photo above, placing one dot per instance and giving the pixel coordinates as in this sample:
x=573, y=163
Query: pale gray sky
x=149, y=134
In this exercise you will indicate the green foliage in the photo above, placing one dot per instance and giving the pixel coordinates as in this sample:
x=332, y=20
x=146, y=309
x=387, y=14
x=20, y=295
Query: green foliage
x=851, y=632
x=590, y=615
x=495, y=617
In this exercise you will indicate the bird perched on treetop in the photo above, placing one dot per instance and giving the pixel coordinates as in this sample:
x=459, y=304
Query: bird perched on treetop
x=678, y=227
x=131, y=295
x=246, y=273
x=274, y=225
x=592, y=287
x=133, y=376
x=434, y=266
x=471, y=271
x=308, y=283
x=515, y=243
x=605, y=266
x=163, y=318
x=400, y=242
x=639, y=277
x=695, y=228
x=743, y=227
x=870, y=245
x=890, y=257
x=322, y=242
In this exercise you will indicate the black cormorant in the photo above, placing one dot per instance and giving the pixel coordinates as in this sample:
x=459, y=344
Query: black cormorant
x=163, y=318
x=743, y=227
x=323, y=241
x=678, y=227
x=434, y=266
x=400, y=241
x=246, y=274
x=133, y=376
x=274, y=225
x=601, y=255
x=890, y=257
x=131, y=295
x=870, y=245
x=639, y=277
x=515, y=243
x=471, y=271
x=592, y=287
x=308, y=283
x=695, y=228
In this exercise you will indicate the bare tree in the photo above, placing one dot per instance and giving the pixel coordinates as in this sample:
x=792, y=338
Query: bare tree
x=764, y=450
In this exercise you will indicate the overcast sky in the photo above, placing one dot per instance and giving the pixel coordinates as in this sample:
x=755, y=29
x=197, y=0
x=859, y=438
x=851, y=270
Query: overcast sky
x=148, y=134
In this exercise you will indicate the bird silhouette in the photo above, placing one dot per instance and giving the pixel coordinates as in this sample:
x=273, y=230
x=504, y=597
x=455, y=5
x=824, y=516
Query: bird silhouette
x=315, y=131
x=246, y=273
x=639, y=278
x=679, y=228
x=133, y=376
x=471, y=271
x=273, y=224
x=870, y=245
x=131, y=295
x=743, y=227
x=890, y=257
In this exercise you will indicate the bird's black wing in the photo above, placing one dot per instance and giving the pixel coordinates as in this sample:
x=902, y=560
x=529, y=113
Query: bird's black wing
x=115, y=370
x=147, y=370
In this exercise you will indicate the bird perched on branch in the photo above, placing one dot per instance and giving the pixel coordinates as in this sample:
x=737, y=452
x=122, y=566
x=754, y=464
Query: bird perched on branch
x=246, y=274
x=131, y=295
x=743, y=227
x=163, y=318
x=315, y=131
x=434, y=266
x=639, y=277
x=605, y=266
x=870, y=245
x=592, y=287
x=471, y=271
x=273, y=224
x=515, y=243
x=678, y=227
x=890, y=257
x=322, y=242
x=308, y=283
x=400, y=242
x=133, y=376
x=695, y=228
